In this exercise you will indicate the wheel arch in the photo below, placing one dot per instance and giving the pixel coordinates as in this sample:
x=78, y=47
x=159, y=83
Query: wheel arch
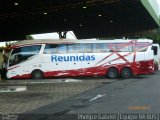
x=126, y=67
x=125, y=74
x=37, y=70
x=112, y=67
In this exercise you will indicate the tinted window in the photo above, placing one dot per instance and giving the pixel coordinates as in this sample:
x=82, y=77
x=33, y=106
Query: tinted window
x=86, y=47
x=55, y=48
x=103, y=47
x=50, y=48
x=62, y=48
x=140, y=48
x=124, y=47
x=80, y=48
x=75, y=48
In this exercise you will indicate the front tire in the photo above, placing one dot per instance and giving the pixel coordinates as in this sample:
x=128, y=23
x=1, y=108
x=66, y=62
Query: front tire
x=37, y=74
x=112, y=73
x=126, y=73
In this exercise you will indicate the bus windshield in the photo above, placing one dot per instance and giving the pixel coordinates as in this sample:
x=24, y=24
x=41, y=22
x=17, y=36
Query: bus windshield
x=21, y=54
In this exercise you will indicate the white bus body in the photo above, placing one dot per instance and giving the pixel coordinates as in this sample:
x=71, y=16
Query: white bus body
x=50, y=58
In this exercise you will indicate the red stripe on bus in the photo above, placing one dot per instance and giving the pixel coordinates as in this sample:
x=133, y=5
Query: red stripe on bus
x=13, y=67
x=99, y=70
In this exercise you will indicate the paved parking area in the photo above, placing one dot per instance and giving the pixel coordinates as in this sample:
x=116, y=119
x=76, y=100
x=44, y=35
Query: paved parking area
x=43, y=92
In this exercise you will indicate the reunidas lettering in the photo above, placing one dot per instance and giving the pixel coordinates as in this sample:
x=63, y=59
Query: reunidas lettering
x=57, y=58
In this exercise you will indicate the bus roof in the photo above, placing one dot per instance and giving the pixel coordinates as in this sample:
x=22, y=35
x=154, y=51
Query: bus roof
x=69, y=41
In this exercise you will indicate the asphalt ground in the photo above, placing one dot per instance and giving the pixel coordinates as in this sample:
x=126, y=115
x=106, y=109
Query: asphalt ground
x=40, y=93
x=66, y=98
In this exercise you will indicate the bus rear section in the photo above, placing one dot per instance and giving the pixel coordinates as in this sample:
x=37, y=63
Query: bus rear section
x=111, y=58
x=143, y=62
x=127, y=58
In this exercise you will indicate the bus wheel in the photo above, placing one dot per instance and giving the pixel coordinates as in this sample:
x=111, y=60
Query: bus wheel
x=112, y=73
x=126, y=73
x=37, y=74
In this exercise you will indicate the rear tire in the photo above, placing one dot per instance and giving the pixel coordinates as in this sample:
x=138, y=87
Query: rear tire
x=126, y=73
x=112, y=73
x=37, y=74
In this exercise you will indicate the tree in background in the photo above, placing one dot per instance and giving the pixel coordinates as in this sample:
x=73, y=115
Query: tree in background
x=155, y=37
x=151, y=34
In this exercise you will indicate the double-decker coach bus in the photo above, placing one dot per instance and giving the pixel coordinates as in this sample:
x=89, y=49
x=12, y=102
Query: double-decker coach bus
x=39, y=59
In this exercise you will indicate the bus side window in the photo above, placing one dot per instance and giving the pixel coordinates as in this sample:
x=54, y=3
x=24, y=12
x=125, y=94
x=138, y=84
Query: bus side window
x=124, y=47
x=70, y=48
x=112, y=47
x=140, y=48
x=50, y=48
x=86, y=47
x=101, y=47
x=62, y=48
x=75, y=48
